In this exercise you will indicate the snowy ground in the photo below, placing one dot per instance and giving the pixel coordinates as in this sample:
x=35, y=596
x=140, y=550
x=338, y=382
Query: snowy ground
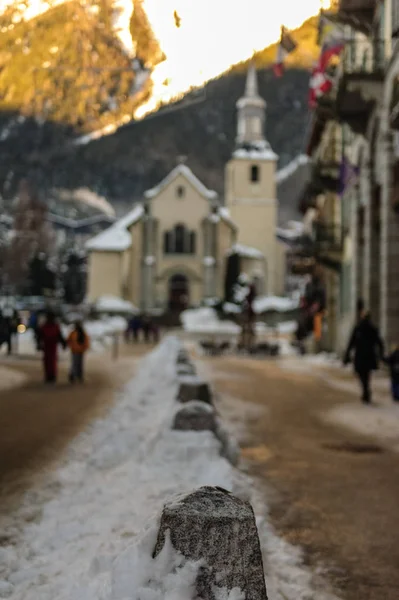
x=10, y=378
x=379, y=420
x=75, y=534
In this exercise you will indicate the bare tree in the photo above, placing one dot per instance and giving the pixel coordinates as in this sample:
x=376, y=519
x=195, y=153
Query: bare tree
x=31, y=234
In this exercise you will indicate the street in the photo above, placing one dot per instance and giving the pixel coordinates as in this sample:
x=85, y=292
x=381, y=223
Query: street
x=331, y=491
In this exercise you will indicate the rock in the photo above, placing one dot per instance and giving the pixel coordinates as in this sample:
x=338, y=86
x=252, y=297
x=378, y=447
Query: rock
x=193, y=388
x=195, y=416
x=182, y=357
x=213, y=526
x=186, y=369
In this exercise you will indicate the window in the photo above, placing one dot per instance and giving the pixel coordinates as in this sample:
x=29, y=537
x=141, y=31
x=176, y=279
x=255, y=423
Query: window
x=179, y=240
x=180, y=191
x=254, y=173
x=180, y=234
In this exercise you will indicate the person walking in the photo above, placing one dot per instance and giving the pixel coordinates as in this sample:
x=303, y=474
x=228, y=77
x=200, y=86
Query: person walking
x=50, y=336
x=78, y=343
x=136, y=326
x=368, y=348
x=393, y=362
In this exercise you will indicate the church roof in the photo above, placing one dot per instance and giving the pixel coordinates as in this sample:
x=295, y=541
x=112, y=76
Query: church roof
x=189, y=175
x=256, y=151
x=116, y=238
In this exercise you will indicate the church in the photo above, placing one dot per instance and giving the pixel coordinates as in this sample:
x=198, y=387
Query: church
x=171, y=250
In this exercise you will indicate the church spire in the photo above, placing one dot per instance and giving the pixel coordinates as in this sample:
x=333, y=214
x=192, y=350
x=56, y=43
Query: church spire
x=251, y=112
x=251, y=85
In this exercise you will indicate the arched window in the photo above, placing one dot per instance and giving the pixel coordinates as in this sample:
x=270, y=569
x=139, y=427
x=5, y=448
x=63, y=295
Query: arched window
x=179, y=240
x=254, y=173
x=180, y=191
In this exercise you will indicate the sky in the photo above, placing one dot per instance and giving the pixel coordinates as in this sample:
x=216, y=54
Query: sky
x=215, y=34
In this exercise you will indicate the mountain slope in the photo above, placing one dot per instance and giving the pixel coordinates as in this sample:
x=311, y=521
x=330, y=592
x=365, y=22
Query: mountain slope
x=122, y=165
x=68, y=66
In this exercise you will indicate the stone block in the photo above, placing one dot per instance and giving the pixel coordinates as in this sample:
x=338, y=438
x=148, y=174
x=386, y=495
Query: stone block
x=195, y=416
x=213, y=526
x=193, y=388
x=186, y=369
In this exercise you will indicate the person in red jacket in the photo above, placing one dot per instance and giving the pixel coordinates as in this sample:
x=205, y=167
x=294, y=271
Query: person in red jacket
x=50, y=336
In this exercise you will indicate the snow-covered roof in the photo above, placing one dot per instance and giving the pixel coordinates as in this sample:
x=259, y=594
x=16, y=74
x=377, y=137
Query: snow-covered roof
x=245, y=251
x=288, y=170
x=117, y=237
x=256, y=151
x=189, y=175
x=222, y=214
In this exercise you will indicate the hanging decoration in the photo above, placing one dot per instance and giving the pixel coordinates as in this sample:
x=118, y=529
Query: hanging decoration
x=286, y=45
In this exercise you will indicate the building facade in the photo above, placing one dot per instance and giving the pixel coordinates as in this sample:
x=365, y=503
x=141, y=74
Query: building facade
x=362, y=111
x=171, y=250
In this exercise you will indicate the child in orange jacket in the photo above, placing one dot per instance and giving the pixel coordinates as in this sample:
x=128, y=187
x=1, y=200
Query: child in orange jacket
x=78, y=342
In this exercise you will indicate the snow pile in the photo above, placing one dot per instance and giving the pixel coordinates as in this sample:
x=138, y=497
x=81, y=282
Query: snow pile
x=274, y=303
x=103, y=328
x=293, y=231
x=205, y=320
x=291, y=168
x=113, y=304
x=113, y=478
x=245, y=251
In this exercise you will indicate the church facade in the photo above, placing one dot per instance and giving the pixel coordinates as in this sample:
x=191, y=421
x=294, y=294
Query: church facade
x=171, y=251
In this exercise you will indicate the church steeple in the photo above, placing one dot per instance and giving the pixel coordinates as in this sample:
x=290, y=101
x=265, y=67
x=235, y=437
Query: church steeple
x=251, y=112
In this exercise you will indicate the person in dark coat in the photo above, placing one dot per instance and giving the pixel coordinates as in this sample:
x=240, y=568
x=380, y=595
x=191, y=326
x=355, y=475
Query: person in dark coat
x=50, y=336
x=368, y=349
x=135, y=326
x=6, y=332
x=146, y=325
x=393, y=362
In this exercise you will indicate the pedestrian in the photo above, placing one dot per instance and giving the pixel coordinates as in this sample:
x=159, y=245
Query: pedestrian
x=146, y=326
x=368, y=348
x=5, y=332
x=50, y=337
x=393, y=362
x=78, y=342
x=155, y=332
x=136, y=326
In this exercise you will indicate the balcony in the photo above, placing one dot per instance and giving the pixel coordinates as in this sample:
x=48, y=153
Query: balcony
x=328, y=243
x=358, y=14
x=326, y=175
x=360, y=82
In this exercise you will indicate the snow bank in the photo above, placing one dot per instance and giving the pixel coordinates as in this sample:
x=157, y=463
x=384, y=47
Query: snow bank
x=245, y=251
x=205, y=320
x=113, y=304
x=63, y=539
x=274, y=303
